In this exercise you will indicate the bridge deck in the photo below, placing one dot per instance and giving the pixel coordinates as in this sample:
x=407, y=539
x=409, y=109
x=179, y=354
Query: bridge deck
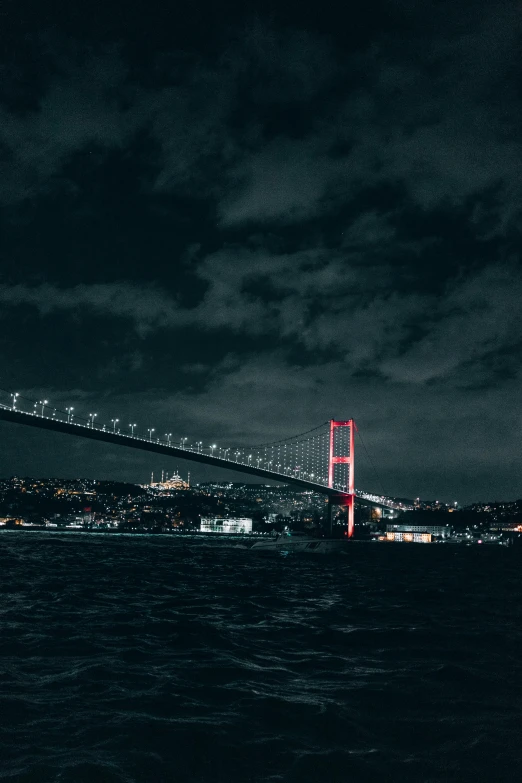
x=84, y=431
x=119, y=439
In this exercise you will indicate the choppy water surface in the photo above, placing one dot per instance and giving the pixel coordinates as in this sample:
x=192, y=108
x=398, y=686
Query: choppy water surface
x=165, y=659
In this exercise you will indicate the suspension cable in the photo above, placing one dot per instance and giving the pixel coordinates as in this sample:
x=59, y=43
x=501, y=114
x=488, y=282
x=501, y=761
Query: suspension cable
x=371, y=463
x=291, y=438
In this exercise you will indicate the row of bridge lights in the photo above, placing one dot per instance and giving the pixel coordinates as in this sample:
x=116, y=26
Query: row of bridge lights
x=114, y=422
x=223, y=453
x=150, y=430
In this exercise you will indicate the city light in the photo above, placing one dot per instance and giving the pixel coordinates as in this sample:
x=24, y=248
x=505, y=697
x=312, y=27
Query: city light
x=298, y=459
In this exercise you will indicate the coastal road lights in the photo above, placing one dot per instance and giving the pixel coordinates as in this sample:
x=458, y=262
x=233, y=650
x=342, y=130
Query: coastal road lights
x=69, y=414
x=114, y=423
x=132, y=426
x=150, y=431
x=92, y=416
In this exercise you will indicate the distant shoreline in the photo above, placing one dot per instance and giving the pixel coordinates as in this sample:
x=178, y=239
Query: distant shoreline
x=76, y=531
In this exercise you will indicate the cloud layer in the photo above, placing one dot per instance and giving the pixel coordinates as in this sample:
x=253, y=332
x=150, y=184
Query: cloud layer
x=275, y=224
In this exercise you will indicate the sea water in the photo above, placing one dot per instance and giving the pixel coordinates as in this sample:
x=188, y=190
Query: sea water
x=165, y=658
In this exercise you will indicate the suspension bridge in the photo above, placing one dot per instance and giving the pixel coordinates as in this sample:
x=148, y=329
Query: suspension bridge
x=320, y=460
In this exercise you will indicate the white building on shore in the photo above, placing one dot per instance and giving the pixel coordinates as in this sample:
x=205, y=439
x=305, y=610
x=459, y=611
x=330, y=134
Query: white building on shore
x=438, y=531
x=226, y=525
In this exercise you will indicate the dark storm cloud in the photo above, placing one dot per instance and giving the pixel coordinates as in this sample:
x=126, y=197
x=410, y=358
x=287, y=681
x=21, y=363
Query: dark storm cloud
x=311, y=226
x=147, y=309
x=81, y=106
x=425, y=123
x=475, y=317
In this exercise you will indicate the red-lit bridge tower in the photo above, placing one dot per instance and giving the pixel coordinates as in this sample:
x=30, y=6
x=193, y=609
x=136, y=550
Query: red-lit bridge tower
x=341, y=468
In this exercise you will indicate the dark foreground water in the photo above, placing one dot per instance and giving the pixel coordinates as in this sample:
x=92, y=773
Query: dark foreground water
x=166, y=659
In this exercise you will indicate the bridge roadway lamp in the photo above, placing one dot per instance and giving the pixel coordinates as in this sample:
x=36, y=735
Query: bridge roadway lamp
x=114, y=423
x=43, y=404
x=14, y=396
x=168, y=435
x=213, y=447
x=92, y=416
x=69, y=414
x=150, y=431
x=132, y=426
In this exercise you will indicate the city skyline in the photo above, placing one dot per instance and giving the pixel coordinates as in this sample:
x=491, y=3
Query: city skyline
x=235, y=225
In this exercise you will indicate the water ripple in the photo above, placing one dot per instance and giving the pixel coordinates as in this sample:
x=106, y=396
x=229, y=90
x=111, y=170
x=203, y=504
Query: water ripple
x=127, y=659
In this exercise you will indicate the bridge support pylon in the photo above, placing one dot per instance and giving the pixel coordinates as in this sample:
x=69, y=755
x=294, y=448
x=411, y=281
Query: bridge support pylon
x=345, y=501
x=341, y=454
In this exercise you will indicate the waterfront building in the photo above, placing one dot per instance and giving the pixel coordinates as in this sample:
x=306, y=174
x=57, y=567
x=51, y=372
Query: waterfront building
x=438, y=531
x=409, y=536
x=226, y=525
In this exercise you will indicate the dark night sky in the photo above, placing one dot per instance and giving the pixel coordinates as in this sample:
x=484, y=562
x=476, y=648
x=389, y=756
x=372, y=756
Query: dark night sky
x=239, y=220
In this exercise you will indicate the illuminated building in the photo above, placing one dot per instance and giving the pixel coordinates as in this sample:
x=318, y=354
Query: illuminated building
x=174, y=482
x=226, y=525
x=409, y=536
x=440, y=531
